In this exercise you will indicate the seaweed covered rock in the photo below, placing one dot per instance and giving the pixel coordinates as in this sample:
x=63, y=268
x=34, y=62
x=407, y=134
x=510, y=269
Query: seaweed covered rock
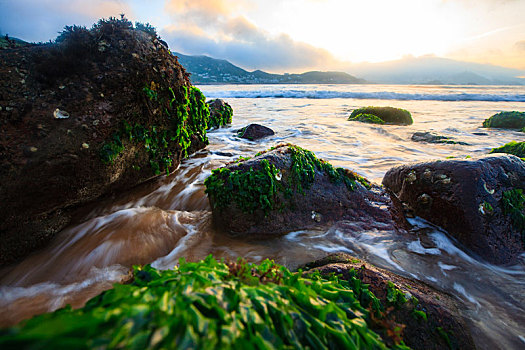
x=478, y=201
x=254, y=132
x=506, y=120
x=214, y=305
x=382, y=115
x=413, y=312
x=513, y=147
x=425, y=136
x=96, y=112
x=221, y=113
x=288, y=188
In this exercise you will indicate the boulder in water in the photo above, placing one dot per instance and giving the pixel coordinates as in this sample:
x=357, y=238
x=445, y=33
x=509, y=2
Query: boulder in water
x=425, y=136
x=513, y=147
x=478, y=201
x=506, y=120
x=221, y=113
x=288, y=188
x=419, y=315
x=132, y=114
x=388, y=115
x=254, y=132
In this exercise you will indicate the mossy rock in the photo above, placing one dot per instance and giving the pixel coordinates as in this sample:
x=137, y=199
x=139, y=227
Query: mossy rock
x=506, y=120
x=288, y=188
x=389, y=115
x=513, y=147
x=221, y=113
x=367, y=118
x=214, y=305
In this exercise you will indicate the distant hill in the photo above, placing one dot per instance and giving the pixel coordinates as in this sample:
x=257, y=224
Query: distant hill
x=436, y=70
x=208, y=70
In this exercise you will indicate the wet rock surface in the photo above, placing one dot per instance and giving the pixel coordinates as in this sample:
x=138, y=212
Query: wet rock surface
x=62, y=103
x=441, y=327
x=425, y=136
x=254, y=132
x=388, y=115
x=221, y=113
x=469, y=199
x=506, y=120
x=288, y=188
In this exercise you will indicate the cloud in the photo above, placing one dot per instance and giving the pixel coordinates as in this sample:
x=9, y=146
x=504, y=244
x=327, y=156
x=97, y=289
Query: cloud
x=520, y=46
x=212, y=28
x=41, y=20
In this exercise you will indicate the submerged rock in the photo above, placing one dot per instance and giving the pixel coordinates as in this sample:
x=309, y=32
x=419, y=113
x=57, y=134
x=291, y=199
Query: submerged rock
x=506, y=120
x=388, y=115
x=221, y=113
x=513, y=147
x=133, y=115
x=475, y=200
x=419, y=315
x=287, y=188
x=254, y=132
x=425, y=136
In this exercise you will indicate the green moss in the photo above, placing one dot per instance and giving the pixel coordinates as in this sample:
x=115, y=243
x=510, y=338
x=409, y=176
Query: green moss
x=221, y=117
x=445, y=336
x=367, y=118
x=507, y=120
x=187, y=119
x=212, y=305
x=395, y=296
x=258, y=188
x=389, y=115
x=418, y=314
x=513, y=147
x=513, y=203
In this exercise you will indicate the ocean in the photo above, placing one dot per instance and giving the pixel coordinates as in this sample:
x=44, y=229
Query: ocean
x=161, y=221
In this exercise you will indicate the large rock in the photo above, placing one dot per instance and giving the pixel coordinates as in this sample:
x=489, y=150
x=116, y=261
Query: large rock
x=475, y=200
x=425, y=318
x=254, y=132
x=221, y=113
x=287, y=189
x=99, y=111
x=425, y=136
x=506, y=120
x=383, y=115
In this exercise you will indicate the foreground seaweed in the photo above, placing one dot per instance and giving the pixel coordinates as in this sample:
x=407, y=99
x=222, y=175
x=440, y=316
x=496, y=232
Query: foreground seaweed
x=513, y=147
x=211, y=305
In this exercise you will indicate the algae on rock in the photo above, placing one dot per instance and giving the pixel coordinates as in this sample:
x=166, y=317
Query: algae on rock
x=388, y=115
x=513, y=147
x=506, y=120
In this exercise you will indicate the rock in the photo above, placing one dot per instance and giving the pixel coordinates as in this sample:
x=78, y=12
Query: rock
x=221, y=113
x=506, y=120
x=426, y=317
x=287, y=188
x=513, y=147
x=367, y=118
x=143, y=102
x=389, y=115
x=429, y=137
x=254, y=132
x=468, y=199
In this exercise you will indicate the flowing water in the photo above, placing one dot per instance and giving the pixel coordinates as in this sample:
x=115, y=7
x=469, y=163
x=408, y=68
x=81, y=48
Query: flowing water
x=164, y=220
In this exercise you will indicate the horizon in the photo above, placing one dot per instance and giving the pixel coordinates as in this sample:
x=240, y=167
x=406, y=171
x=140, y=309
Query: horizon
x=279, y=37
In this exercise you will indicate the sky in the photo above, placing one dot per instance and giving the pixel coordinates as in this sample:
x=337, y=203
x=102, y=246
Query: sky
x=296, y=35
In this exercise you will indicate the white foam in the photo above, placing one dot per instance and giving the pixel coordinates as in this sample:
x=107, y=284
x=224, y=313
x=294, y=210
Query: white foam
x=416, y=247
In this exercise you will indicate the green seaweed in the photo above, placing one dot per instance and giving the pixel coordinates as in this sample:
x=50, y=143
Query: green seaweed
x=513, y=147
x=257, y=188
x=221, y=117
x=367, y=118
x=513, y=203
x=212, y=305
x=507, y=120
x=187, y=116
x=389, y=115
x=395, y=296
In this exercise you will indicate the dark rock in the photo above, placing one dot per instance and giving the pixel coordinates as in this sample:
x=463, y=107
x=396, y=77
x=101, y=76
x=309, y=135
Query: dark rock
x=254, y=132
x=465, y=197
x=444, y=326
x=480, y=133
x=221, y=113
x=287, y=188
x=50, y=167
x=389, y=115
x=506, y=120
x=425, y=136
